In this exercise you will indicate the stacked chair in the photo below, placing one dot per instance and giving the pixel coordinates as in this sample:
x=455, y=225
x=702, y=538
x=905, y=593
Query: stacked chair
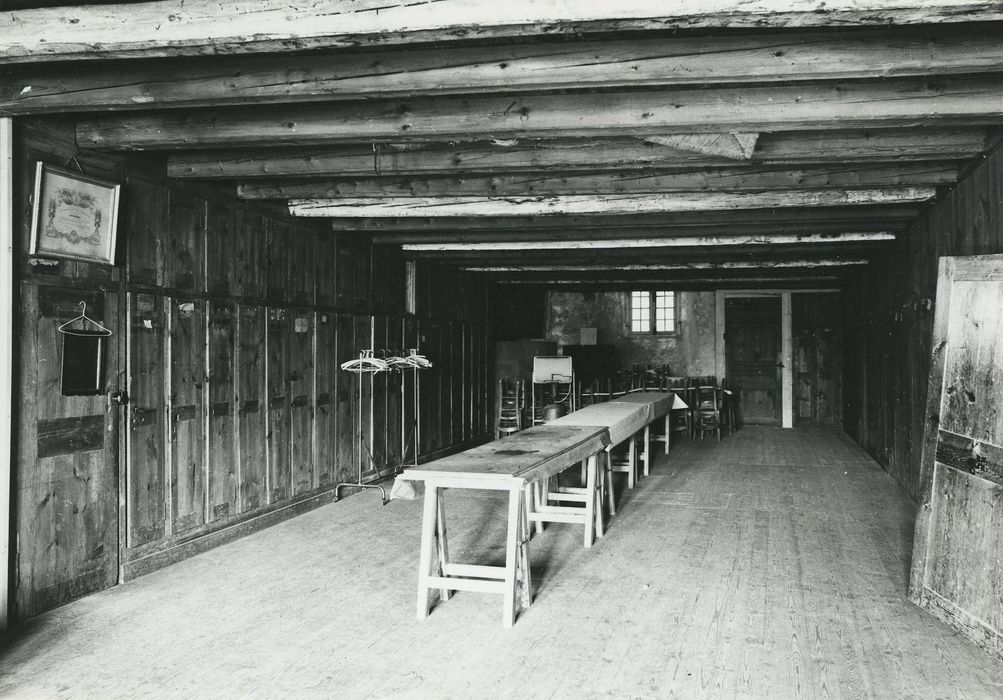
x=511, y=405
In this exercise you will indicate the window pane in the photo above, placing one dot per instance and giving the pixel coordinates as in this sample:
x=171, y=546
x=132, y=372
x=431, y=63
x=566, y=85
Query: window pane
x=665, y=312
x=640, y=312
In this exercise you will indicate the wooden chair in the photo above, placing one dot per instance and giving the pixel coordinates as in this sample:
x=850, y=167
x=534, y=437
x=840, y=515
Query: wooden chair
x=511, y=403
x=729, y=407
x=708, y=410
x=682, y=418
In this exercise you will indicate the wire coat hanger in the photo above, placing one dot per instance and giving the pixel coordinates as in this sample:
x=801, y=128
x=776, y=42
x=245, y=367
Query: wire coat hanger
x=66, y=330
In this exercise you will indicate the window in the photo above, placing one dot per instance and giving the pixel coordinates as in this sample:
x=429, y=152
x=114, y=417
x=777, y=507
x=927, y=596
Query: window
x=653, y=312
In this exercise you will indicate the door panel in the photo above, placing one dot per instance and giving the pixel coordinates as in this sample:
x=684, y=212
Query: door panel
x=221, y=450
x=959, y=549
x=188, y=480
x=147, y=407
x=752, y=352
x=250, y=377
x=67, y=494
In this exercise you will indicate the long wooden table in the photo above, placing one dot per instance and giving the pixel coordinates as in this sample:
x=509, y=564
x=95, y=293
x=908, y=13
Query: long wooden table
x=625, y=417
x=512, y=465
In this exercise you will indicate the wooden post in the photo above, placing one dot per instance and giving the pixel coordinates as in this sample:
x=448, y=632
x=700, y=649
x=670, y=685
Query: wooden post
x=6, y=352
x=787, y=355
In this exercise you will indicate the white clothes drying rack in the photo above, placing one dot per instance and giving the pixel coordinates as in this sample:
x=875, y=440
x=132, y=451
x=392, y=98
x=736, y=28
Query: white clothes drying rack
x=368, y=363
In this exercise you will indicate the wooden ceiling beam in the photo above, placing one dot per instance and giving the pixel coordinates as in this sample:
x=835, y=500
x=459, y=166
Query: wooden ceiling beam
x=892, y=215
x=201, y=27
x=731, y=179
x=969, y=101
x=707, y=283
x=649, y=243
x=571, y=155
x=736, y=229
x=574, y=204
x=667, y=267
x=640, y=62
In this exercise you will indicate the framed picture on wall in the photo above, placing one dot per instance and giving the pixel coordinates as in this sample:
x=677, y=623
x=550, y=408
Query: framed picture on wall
x=75, y=216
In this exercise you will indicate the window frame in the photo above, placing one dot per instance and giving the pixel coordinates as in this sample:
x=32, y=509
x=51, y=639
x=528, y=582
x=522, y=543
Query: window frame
x=652, y=312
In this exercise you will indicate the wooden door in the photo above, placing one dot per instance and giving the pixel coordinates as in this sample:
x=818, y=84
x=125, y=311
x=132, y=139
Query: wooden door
x=752, y=341
x=958, y=549
x=67, y=490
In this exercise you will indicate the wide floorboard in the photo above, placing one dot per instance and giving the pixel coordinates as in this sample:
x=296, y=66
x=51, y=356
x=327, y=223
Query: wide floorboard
x=771, y=564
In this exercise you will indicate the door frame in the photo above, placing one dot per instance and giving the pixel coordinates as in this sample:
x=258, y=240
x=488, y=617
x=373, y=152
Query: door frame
x=6, y=357
x=786, y=339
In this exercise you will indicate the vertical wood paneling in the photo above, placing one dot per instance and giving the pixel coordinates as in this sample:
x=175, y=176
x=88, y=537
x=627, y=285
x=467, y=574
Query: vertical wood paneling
x=344, y=281
x=279, y=474
x=325, y=259
x=458, y=364
x=380, y=384
x=395, y=341
x=187, y=430
x=251, y=407
x=363, y=435
x=278, y=285
x=302, y=266
x=412, y=387
x=147, y=459
x=347, y=405
x=301, y=399
x=186, y=242
x=325, y=413
x=897, y=295
x=67, y=491
x=221, y=450
x=249, y=256
x=221, y=249
x=144, y=218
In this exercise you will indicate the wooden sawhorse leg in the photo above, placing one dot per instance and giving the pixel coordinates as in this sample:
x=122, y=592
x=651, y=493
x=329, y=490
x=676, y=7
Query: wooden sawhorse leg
x=429, y=523
x=647, y=450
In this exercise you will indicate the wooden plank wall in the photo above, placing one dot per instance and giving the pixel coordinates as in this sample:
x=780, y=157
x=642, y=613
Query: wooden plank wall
x=889, y=319
x=234, y=320
x=816, y=327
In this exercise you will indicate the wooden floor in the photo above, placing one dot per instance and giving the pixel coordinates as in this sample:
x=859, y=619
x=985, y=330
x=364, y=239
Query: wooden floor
x=773, y=564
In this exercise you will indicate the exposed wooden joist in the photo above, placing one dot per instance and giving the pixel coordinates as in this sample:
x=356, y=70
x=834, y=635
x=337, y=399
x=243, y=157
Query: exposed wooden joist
x=602, y=204
x=725, y=265
x=731, y=179
x=709, y=283
x=658, y=61
x=789, y=148
x=891, y=218
x=736, y=229
x=198, y=27
x=860, y=104
x=649, y=243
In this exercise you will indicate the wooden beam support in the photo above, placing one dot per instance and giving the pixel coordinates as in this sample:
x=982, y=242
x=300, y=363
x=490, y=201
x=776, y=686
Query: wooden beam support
x=602, y=204
x=569, y=155
x=709, y=283
x=862, y=104
x=649, y=243
x=892, y=217
x=200, y=27
x=7, y=322
x=733, y=179
x=659, y=61
x=737, y=229
x=723, y=265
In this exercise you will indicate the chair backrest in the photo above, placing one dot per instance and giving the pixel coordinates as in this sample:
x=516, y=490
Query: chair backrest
x=707, y=380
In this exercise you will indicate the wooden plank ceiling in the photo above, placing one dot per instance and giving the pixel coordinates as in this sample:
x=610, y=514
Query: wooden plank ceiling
x=698, y=142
